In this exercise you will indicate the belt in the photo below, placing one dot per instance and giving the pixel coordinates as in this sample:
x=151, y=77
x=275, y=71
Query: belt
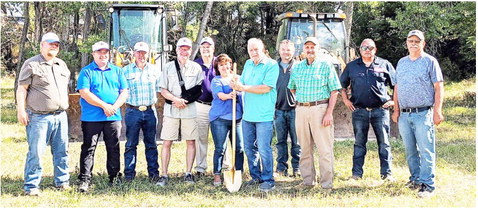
x=52, y=112
x=418, y=109
x=140, y=108
x=313, y=103
x=203, y=102
x=368, y=108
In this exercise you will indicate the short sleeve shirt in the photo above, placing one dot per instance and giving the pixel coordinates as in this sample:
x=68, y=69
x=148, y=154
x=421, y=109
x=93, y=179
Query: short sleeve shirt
x=415, y=81
x=314, y=82
x=260, y=107
x=220, y=108
x=143, y=84
x=106, y=85
x=48, y=84
x=192, y=76
x=368, y=84
x=209, y=74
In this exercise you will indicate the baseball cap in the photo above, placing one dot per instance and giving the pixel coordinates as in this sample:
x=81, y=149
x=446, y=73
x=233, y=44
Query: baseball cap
x=207, y=40
x=141, y=46
x=100, y=45
x=417, y=33
x=184, y=42
x=312, y=39
x=50, y=38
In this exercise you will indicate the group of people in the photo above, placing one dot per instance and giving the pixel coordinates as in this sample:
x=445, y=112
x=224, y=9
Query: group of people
x=294, y=98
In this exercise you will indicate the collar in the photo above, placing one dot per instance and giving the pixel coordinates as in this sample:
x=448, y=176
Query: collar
x=95, y=66
x=44, y=61
x=375, y=60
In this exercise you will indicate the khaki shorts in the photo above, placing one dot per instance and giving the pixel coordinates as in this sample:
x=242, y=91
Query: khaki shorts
x=171, y=126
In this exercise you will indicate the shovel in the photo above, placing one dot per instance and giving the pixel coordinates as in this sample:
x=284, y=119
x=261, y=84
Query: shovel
x=233, y=178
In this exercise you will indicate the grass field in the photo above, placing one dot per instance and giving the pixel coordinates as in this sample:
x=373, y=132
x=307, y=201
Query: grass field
x=455, y=175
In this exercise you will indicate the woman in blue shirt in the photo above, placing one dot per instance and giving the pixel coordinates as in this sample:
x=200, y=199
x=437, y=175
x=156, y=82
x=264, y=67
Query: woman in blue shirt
x=220, y=116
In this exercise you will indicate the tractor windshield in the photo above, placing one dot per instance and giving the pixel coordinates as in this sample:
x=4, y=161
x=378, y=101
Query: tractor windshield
x=330, y=32
x=135, y=25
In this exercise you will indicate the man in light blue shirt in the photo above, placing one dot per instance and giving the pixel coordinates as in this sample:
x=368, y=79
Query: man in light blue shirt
x=143, y=82
x=258, y=82
x=418, y=96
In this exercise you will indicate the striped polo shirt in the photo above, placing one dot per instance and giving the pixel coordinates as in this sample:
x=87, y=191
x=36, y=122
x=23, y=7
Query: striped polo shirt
x=143, y=84
x=313, y=82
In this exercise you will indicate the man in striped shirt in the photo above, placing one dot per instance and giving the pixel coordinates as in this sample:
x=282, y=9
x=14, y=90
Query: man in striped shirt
x=143, y=80
x=316, y=85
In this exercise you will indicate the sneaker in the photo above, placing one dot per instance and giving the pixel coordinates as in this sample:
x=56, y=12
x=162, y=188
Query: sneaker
x=64, y=187
x=267, y=186
x=115, y=181
x=425, y=191
x=162, y=181
x=282, y=173
x=200, y=174
x=153, y=179
x=33, y=192
x=355, y=177
x=296, y=173
x=387, y=178
x=83, y=187
x=413, y=185
x=188, y=178
x=253, y=182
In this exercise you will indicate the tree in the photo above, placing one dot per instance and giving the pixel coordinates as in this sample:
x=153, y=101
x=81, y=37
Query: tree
x=202, y=28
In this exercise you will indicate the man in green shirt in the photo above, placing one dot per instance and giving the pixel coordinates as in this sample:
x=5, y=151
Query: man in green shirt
x=316, y=85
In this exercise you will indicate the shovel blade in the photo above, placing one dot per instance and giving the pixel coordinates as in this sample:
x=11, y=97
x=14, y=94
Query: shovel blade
x=233, y=180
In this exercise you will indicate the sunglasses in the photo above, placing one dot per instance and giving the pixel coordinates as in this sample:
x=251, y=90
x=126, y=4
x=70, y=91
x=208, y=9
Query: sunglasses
x=364, y=48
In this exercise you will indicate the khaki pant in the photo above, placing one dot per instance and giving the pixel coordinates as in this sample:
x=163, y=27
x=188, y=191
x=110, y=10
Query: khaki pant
x=202, y=120
x=308, y=123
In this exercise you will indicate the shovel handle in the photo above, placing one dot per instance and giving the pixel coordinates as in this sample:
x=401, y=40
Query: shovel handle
x=234, y=69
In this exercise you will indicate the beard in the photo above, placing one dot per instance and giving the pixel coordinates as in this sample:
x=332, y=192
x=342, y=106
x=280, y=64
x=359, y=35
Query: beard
x=52, y=53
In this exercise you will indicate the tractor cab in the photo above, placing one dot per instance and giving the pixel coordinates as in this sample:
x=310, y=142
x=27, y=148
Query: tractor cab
x=138, y=23
x=329, y=28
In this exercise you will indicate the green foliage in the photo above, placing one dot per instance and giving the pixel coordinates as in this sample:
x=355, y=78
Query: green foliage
x=449, y=27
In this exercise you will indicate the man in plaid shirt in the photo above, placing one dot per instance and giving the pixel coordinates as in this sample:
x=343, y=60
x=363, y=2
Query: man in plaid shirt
x=316, y=85
x=143, y=80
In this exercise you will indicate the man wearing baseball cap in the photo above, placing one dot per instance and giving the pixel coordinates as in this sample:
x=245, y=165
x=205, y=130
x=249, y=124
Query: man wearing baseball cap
x=42, y=98
x=418, y=111
x=143, y=81
x=315, y=85
x=203, y=106
x=178, y=77
x=103, y=90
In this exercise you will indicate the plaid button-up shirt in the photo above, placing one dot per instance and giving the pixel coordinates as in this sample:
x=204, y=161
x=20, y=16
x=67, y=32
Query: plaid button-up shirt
x=143, y=84
x=314, y=82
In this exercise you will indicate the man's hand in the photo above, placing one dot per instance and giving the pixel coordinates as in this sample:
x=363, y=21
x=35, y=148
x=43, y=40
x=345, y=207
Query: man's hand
x=22, y=117
x=109, y=110
x=236, y=84
x=179, y=103
x=328, y=119
x=438, y=117
x=395, y=115
x=388, y=104
x=348, y=104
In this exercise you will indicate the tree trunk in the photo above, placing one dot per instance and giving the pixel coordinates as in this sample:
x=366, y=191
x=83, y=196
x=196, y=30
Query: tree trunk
x=349, y=12
x=86, y=31
x=38, y=22
x=26, y=25
x=202, y=28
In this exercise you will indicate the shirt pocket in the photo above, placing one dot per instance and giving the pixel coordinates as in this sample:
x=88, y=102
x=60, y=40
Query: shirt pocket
x=40, y=76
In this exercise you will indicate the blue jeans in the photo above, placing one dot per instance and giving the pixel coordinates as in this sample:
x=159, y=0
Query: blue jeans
x=219, y=130
x=284, y=123
x=379, y=118
x=135, y=121
x=257, y=144
x=418, y=134
x=44, y=129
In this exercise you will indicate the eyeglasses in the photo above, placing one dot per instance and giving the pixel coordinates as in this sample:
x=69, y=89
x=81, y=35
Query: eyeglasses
x=364, y=48
x=413, y=41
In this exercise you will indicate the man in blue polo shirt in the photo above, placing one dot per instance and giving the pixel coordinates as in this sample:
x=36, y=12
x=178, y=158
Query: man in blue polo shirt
x=103, y=90
x=368, y=77
x=418, y=96
x=258, y=82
